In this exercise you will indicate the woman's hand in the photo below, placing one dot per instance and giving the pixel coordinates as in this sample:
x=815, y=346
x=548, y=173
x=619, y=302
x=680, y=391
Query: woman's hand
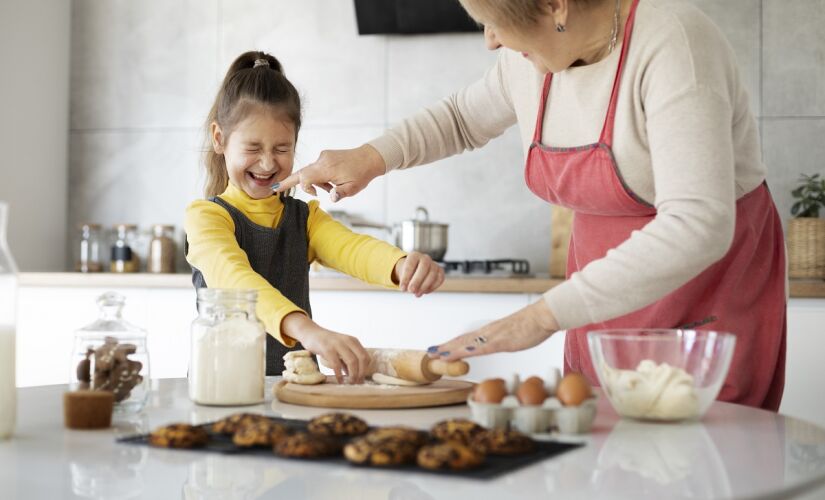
x=523, y=329
x=417, y=273
x=343, y=353
x=342, y=173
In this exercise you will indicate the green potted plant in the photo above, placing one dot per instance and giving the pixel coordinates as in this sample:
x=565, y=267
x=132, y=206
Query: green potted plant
x=806, y=231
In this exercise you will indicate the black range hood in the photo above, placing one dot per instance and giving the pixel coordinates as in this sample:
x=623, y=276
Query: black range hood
x=410, y=17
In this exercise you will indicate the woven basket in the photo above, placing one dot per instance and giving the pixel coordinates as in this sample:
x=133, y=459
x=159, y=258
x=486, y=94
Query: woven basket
x=806, y=247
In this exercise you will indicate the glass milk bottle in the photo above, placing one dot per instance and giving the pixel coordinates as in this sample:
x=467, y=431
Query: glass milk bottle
x=8, y=310
x=227, y=364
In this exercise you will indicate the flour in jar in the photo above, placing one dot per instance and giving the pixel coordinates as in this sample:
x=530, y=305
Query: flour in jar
x=228, y=365
x=652, y=391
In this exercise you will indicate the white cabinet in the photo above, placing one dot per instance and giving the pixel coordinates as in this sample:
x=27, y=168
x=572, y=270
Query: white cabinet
x=804, y=396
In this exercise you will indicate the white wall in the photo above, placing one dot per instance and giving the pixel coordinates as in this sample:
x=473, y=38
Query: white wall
x=34, y=99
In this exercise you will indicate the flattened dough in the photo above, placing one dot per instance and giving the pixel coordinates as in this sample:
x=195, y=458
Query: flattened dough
x=380, y=378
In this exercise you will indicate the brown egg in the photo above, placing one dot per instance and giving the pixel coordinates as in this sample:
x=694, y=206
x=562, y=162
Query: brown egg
x=534, y=380
x=531, y=393
x=573, y=389
x=491, y=391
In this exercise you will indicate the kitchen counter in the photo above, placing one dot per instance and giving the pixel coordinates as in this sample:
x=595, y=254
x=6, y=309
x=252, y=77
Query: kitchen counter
x=735, y=452
x=330, y=282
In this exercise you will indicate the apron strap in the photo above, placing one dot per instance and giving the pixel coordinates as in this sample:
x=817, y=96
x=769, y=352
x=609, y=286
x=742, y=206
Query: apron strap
x=607, y=130
x=548, y=78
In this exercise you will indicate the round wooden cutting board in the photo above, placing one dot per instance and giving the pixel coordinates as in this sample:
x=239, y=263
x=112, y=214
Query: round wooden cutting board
x=367, y=396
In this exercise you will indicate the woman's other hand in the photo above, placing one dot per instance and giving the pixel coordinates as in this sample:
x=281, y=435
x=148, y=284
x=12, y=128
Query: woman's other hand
x=417, y=273
x=523, y=329
x=342, y=173
x=343, y=353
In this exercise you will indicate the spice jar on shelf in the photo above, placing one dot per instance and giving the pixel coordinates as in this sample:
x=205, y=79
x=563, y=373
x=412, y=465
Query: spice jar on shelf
x=124, y=259
x=227, y=364
x=110, y=354
x=162, y=249
x=88, y=248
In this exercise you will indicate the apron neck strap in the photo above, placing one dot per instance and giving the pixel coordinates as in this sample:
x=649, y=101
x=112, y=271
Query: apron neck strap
x=609, y=120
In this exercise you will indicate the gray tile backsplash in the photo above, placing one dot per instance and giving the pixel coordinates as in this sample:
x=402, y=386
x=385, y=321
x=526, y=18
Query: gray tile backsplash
x=144, y=75
x=794, y=58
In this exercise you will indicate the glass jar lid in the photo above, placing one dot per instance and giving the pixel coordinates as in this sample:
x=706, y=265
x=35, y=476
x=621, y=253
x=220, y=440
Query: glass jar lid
x=110, y=322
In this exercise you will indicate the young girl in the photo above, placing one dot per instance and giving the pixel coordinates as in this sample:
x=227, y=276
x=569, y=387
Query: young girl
x=243, y=236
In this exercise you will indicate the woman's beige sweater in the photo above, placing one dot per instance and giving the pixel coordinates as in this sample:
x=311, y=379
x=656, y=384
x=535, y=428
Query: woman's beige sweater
x=685, y=141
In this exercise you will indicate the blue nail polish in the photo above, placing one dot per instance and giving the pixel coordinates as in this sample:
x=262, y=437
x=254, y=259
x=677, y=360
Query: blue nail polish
x=471, y=348
x=275, y=186
x=432, y=349
x=444, y=353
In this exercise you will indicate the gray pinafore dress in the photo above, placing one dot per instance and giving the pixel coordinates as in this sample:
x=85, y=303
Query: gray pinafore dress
x=280, y=256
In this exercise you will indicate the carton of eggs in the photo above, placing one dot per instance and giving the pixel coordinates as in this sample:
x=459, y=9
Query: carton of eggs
x=535, y=405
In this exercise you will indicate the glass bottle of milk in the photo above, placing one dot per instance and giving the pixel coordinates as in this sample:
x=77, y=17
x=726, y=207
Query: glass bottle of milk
x=8, y=312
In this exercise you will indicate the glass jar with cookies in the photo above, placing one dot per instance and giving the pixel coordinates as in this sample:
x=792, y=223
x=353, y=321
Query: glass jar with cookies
x=110, y=354
x=227, y=363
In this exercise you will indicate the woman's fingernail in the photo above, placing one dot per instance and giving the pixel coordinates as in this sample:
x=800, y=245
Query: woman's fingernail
x=276, y=186
x=444, y=353
x=432, y=349
x=471, y=348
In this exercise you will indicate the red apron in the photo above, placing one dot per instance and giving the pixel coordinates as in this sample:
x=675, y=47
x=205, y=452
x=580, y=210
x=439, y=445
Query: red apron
x=743, y=293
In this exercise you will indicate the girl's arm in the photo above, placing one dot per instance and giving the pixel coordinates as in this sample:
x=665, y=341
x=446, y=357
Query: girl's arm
x=358, y=255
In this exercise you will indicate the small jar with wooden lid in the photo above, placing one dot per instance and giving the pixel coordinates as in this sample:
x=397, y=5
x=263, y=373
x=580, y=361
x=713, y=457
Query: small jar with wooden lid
x=162, y=249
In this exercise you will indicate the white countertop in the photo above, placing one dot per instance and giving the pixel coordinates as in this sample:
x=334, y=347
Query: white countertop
x=735, y=452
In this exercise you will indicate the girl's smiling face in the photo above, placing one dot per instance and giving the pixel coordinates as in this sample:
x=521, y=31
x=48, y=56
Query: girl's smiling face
x=259, y=151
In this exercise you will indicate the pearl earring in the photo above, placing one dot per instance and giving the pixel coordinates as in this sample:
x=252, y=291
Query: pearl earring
x=560, y=28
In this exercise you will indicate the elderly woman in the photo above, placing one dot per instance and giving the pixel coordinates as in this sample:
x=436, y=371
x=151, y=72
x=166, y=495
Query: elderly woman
x=633, y=114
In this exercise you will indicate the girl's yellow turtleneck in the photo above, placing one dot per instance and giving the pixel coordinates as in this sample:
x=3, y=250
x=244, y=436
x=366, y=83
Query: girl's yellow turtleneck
x=214, y=251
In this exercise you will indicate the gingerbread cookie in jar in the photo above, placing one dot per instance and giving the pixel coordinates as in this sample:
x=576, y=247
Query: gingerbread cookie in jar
x=110, y=354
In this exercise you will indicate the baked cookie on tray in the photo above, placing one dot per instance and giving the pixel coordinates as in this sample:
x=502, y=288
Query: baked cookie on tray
x=450, y=455
x=457, y=429
x=380, y=452
x=259, y=433
x=399, y=433
x=178, y=436
x=337, y=425
x=504, y=442
x=230, y=424
x=306, y=445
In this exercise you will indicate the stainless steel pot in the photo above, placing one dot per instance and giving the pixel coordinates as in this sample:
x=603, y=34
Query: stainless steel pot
x=421, y=235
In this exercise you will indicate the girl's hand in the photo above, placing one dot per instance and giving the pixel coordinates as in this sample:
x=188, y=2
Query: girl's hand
x=343, y=353
x=418, y=273
x=342, y=172
x=523, y=329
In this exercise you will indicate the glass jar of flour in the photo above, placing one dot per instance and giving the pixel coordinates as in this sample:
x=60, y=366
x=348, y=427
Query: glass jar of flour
x=227, y=363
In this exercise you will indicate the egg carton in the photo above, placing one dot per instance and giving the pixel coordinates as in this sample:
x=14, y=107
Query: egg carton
x=550, y=416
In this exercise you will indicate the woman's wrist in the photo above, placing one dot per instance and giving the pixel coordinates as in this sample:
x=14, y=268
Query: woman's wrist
x=544, y=316
x=375, y=163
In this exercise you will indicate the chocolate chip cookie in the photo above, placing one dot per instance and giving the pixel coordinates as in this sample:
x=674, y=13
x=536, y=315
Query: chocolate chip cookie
x=178, y=436
x=461, y=430
x=259, y=433
x=449, y=455
x=231, y=423
x=504, y=442
x=305, y=445
x=406, y=434
x=337, y=424
x=380, y=452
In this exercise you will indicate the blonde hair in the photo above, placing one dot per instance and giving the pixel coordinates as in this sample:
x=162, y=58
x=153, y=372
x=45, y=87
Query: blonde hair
x=511, y=13
x=254, y=78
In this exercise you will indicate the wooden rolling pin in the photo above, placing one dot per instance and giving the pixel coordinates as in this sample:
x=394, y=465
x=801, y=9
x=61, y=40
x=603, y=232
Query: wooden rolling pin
x=412, y=365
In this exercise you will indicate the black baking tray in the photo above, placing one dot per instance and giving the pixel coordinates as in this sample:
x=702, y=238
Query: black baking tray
x=493, y=466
